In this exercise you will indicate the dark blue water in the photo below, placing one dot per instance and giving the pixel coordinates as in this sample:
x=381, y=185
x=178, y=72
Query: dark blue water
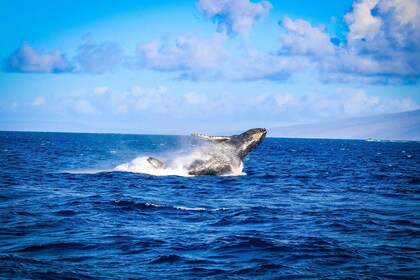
x=305, y=209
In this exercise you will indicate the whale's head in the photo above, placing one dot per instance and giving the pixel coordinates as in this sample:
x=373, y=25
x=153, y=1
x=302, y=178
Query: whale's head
x=248, y=141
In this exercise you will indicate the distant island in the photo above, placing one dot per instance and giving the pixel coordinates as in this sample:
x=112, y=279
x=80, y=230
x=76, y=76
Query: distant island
x=397, y=126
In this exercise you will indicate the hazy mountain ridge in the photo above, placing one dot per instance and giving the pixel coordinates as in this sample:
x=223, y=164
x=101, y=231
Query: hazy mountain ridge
x=396, y=126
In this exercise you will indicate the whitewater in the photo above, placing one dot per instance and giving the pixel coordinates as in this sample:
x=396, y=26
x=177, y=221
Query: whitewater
x=178, y=162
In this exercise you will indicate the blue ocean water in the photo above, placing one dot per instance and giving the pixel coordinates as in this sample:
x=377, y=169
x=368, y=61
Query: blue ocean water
x=331, y=209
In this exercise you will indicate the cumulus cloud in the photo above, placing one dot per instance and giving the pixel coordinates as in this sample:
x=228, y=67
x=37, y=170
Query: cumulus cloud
x=39, y=101
x=207, y=59
x=82, y=101
x=301, y=38
x=362, y=24
x=301, y=47
x=98, y=58
x=100, y=90
x=386, y=34
x=193, y=56
x=381, y=46
x=137, y=99
x=28, y=60
x=195, y=98
x=256, y=66
x=235, y=16
x=84, y=107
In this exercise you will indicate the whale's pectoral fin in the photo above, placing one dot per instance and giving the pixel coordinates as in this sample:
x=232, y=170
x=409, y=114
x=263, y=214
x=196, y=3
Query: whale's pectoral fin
x=156, y=163
x=211, y=138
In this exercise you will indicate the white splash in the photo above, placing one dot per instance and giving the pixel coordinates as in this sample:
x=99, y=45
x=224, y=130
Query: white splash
x=141, y=165
x=179, y=163
x=85, y=171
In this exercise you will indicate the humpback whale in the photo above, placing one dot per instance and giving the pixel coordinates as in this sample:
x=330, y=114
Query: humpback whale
x=223, y=154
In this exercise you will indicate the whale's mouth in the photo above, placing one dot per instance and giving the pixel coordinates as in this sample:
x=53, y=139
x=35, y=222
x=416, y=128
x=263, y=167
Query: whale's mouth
x=259, y=136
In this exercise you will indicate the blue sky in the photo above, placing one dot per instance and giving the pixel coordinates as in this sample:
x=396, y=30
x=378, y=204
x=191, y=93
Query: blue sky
x=206, y=66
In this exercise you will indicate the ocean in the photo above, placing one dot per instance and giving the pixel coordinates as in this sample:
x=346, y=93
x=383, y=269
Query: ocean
x=81, y=206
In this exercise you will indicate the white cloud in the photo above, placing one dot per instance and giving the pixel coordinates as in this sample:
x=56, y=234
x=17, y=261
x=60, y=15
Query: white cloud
x=137, y=99
x=161, y=104
x=84, y=107
x=382, y=46
x=155, y=100
x=318, y=106
x=99, y=57
x=302, y=47
x=237, y=16
x=274, y=67
x=78, y=92
x=122, y=109
x=207, y=59
x=362, y=24
x=386, y=35
x=28, y=60
x=79, y=100
x=137, y=90
x=376, y=24
x=8, y=105
x=301, y=38
x=39, y=101
x=304, y=107
x=356, y=102
x=284, y=100
x=190, y=55
x=100, y=90
x=195, y=98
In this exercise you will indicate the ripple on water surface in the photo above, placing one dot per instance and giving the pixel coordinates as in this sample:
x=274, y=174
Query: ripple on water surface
x=305, y=209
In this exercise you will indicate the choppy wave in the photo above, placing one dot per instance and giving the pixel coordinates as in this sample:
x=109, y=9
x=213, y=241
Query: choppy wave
x=316, y=209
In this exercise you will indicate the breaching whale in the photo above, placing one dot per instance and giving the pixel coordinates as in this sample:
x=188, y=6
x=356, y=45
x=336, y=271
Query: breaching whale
x=223, y=154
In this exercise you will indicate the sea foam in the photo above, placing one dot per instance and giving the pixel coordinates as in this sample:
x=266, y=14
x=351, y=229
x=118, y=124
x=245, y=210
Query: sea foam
x=178, y=163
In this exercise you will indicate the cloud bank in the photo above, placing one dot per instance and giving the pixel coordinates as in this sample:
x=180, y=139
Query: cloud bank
x=381, y=45
x=162, y=102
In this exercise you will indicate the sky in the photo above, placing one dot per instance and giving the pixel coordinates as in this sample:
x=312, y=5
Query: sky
x=206, y=66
